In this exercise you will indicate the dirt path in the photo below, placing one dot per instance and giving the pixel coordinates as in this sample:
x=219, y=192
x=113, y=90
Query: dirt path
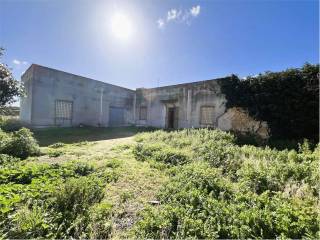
x=137, y=184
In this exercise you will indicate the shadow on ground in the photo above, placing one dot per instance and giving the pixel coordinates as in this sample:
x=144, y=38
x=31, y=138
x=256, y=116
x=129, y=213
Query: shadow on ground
x=49, y=136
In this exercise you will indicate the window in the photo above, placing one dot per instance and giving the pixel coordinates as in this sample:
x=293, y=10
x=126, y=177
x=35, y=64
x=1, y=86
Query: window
x=143, y=113
x=63, y=112
x=207, y=115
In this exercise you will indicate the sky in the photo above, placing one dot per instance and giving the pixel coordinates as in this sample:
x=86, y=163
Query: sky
x=150, y=43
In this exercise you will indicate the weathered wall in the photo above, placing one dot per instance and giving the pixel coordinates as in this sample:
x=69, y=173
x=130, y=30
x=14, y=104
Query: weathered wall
x=187, y=97
x=49, y=85
x=100, y=104
x=238, y=120
x=26, y=101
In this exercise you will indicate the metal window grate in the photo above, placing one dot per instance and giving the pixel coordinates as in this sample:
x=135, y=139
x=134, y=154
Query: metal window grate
x=207, y=115
x=63, y=112
x=143, y=113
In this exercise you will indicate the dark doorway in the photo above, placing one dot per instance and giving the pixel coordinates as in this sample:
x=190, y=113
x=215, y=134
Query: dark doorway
x=172, y=118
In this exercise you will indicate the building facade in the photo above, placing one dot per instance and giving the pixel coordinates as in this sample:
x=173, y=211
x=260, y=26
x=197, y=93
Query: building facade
x=56, y=98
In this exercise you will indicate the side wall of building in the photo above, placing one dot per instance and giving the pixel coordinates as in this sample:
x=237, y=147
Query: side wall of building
x=26, y=100
x=90, y=101
x=188, y=100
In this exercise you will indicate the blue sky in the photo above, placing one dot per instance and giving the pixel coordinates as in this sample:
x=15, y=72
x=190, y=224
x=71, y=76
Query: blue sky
x=169, y=42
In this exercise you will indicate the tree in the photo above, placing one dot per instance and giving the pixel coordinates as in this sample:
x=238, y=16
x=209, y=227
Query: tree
x=10, y=88
x=287, y=100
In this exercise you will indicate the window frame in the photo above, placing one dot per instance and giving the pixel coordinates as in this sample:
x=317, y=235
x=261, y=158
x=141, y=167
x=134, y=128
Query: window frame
x=201, y=115
x=62, y=119
x=141, y=117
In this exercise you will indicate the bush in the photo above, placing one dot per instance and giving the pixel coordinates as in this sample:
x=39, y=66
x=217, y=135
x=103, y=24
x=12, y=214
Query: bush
x=6, y=159
x=287, y=100
x=4, y=139
x=54, y=153
x=230, y=191
x=19, y=144
x=11, y=124
x=72, y=202
x=100, y=224
x=199, y=202
x=57, y=145
x=31, y=221
x=161, y=153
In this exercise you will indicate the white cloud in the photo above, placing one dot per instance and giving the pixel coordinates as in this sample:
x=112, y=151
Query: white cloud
x=173, y=14
x=16, y=61
x=179, y=16
x=195, y=11
x=19, y=62
x=160, y=23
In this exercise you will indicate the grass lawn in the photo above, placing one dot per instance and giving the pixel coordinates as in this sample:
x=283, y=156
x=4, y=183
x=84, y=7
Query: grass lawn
x=52, y=135
x=137, y=182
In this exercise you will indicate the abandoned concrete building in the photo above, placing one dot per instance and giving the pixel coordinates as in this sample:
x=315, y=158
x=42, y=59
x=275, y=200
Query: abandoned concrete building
x=57, y=98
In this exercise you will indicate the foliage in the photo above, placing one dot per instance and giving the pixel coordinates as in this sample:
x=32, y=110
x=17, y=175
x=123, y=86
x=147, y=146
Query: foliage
x=5, y=159
x=287, y=100
x=19, y=144
x=72, y=202
x=9, y=87
x=8, y=124
x=57, y=200
x=231, y=191
x=54, y=152
x=160, y=152
x=57, y=145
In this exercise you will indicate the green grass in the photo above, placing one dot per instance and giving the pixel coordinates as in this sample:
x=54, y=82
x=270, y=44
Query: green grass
x=52, y=135
x=157, y=184
x=130, y=184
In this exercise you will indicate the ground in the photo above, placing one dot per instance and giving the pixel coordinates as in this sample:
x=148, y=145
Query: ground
x=137, y=181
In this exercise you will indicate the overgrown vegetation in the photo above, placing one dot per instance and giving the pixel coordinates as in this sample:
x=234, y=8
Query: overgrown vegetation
x=79, y=190
x=230, y=191
x=10, y=88
x=287, y=100
x=53, y=200
x=182, y=184
x=19, y=144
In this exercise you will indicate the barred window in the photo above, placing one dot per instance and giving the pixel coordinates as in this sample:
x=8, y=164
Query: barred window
x=143, y=113
x=207, y=115
x=63, y=110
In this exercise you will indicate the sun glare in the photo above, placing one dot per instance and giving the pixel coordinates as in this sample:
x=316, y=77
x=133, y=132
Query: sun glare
x=121, y=26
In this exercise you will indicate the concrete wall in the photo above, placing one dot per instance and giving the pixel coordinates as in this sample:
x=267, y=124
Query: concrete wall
x=91, y=99
x=188, y=98
x=26, y=101
x=100, y=104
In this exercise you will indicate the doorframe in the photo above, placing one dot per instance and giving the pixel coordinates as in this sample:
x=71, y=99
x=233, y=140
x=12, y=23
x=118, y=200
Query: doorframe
x=176, y=115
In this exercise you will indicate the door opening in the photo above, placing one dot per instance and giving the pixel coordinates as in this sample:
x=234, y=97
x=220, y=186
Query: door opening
x=172, y=118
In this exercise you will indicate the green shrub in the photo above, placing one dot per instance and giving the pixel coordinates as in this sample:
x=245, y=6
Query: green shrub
x=6, y=159
x=11, y=124
x=271, y=96
x=113, y=163
x=125, y=196
x=199, y=202
x=230, y=191
x=100, y=225
x=31, y=221
x=54, y=153
x=82, y=168
x=161, y=153
x=20, y=144
x=72, y=201
x=4, y=139
x=57, y=145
